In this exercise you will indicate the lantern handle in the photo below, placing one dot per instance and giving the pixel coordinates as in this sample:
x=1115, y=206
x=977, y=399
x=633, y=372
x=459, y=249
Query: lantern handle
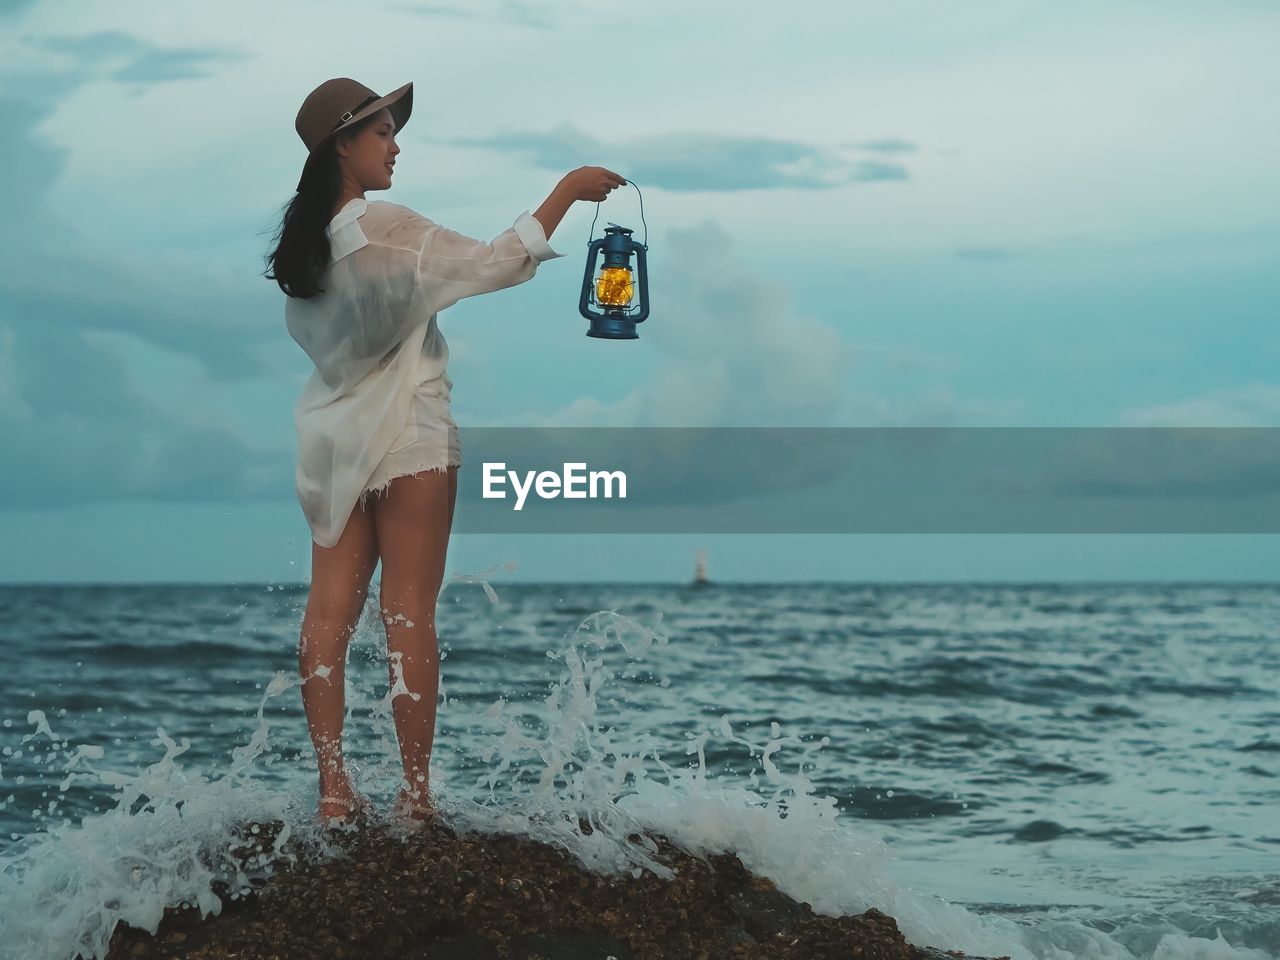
x=646, y=226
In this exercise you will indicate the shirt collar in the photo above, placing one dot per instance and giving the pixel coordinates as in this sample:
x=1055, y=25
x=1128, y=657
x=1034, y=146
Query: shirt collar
x=345, y=235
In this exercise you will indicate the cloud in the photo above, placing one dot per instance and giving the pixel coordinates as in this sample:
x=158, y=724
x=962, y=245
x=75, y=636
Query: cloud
x=985, y=254
x=144, y=61
x=94, y=47
x=886, y=145
x=733, y=351
x=50, y=278
x=74, y=430
x=11, y=8
x=71, y=421
x=699, y=161
x=1252, y=405
x=1215, y=446
x=1186, y=463
x=203, y=314
x=32, y=165
x=206, y=314
x=510, y=11
x=156, y=65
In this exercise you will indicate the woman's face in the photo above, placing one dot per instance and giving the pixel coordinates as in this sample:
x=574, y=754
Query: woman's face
x=367, y=158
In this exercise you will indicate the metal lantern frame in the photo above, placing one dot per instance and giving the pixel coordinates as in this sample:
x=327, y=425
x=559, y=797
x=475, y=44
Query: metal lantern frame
x=615, y=323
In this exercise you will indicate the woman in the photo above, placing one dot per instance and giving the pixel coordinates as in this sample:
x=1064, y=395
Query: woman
x=378, y=450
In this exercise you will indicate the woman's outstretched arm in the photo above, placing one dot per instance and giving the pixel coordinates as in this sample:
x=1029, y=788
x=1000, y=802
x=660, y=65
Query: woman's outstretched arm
x=555, y=207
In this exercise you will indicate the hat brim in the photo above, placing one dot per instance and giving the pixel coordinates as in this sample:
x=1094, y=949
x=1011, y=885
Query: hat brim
x=400, y=102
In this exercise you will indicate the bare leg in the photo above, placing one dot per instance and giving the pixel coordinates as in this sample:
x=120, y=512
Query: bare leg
x=413, y=525
x=339, y=586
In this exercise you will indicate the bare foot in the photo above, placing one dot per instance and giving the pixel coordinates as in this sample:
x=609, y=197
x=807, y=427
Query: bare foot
x=341, y=801
x=417, y=806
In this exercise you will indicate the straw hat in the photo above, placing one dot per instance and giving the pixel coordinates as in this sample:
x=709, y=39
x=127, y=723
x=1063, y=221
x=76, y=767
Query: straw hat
x=339, y=103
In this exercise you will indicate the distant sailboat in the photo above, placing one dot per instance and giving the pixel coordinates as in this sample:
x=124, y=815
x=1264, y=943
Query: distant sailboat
x=700, y=571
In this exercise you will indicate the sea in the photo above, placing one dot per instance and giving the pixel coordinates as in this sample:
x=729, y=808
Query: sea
x=1025, y=769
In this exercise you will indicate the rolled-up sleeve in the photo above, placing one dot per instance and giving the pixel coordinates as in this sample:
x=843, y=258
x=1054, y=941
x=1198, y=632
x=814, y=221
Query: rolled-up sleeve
x=529, y=229
x=452, y=266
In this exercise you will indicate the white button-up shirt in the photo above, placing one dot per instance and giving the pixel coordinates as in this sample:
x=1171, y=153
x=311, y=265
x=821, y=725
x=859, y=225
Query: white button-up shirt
x=372, y=335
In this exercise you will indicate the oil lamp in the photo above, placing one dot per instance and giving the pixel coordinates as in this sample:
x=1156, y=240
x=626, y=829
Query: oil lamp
x=614, y=289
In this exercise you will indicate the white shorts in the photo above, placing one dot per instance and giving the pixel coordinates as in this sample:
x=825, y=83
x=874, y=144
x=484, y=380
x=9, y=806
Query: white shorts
x=429, y=440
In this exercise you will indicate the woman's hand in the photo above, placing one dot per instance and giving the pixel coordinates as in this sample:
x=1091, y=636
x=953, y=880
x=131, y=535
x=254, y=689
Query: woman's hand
x=591, y=183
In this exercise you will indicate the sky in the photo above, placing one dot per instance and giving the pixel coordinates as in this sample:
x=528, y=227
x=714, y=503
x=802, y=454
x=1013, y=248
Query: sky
x=913, y=214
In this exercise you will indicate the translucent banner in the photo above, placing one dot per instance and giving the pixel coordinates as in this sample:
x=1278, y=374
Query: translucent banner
x=869, y=480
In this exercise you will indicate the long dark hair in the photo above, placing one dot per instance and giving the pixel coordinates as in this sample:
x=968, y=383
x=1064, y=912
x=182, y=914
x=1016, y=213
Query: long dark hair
x=302, y=253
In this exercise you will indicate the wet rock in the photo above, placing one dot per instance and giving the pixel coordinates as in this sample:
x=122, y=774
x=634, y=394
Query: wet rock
x=438, y=894
x=569, y=946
